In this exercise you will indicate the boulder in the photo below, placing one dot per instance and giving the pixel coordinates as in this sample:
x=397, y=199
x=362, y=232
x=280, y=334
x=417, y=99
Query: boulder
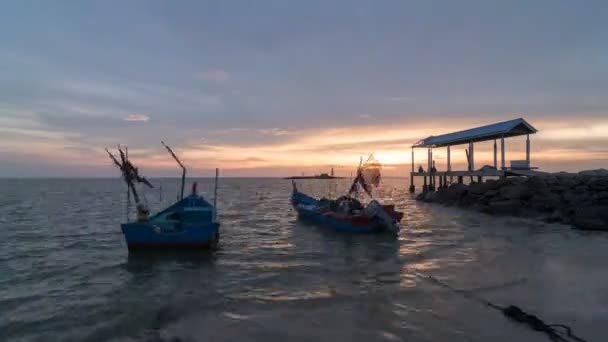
x=516, y=191
x=591, y=217
x=504, y=207
x=545, y=202
x=596, y=172
x=490, y=193
x=453, y=194
x=576, y=197
x=554, y=217
x=431, y=196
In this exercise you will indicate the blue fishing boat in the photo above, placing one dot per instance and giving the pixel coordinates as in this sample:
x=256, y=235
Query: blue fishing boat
x=190, y=223
x=347, y=213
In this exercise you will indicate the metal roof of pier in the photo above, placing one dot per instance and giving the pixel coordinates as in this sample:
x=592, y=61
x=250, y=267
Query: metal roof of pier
x=507, y=129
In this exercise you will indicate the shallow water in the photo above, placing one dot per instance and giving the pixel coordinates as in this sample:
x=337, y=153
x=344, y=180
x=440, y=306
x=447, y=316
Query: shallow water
x=66, y=275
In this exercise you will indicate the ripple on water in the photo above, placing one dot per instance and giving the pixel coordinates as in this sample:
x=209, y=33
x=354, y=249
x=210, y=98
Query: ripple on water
x=65, y=273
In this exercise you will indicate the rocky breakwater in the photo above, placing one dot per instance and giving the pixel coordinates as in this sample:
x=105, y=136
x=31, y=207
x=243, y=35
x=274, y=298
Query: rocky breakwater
x=580, y=200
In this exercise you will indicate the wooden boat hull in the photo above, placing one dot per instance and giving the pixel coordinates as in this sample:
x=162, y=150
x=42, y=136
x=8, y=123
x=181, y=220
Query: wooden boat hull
x=151, y=235
x=307, y=209
x=339, y=225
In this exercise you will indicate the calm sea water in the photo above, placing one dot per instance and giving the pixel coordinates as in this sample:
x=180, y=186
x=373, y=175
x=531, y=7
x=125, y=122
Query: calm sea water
x=66, y=275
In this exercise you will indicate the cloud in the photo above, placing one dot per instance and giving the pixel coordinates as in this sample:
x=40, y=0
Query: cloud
x=137, y=117
x=256, y=159
x=365, y=116
x=275, y=131
x=214, y=75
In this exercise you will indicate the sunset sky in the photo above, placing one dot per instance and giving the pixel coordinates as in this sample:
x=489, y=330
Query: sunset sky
x=273, y=88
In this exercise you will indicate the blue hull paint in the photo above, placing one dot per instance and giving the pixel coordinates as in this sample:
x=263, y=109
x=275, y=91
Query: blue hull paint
x=314, y=216
x=335, y=224
x=148, y=235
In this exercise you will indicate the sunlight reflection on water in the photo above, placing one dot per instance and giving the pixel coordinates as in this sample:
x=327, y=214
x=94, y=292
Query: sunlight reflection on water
x=65, y=273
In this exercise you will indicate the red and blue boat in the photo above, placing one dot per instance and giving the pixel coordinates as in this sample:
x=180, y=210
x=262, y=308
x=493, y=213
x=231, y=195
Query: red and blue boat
x=347, y=213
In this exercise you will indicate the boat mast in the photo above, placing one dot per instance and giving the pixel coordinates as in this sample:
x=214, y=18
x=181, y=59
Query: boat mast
x=126, y=172
x=180, y=164
x=217, y=173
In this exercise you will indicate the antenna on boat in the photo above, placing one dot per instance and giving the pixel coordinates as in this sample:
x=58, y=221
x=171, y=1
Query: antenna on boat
x=180, y=164
x=217, y=173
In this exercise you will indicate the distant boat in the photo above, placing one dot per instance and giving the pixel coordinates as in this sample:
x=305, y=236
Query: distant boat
x=190, y=223
x=321, y=176
x=347, y=214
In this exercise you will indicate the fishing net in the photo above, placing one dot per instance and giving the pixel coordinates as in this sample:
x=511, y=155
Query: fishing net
x=370, y=171
x=368, y=176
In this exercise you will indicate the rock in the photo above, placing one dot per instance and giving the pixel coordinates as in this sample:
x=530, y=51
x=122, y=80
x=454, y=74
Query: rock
x=431, y=196
x=580, y=200
x=470, y=199
x=504, y=207
x=490, y=193
x=545, y=202
x=517, y=191
x=536, y=184
x=591, y=217
x=477, y=188
x=554, y=217
x=453, y=194
x=576, y=197
x=596, y=172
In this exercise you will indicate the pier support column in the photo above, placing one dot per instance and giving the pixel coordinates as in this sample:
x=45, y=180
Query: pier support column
x=480, y=179
x=449, y=162
x=495, y=155
x=429, y=160
x=460, y=180
x=425, y=187
x=472, y=156
x=528, y=149
x=412, y=186
x=502, y=152
x=433, y=175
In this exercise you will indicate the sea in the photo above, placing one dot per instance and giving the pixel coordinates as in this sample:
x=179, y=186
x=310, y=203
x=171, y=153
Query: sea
x=66, y=274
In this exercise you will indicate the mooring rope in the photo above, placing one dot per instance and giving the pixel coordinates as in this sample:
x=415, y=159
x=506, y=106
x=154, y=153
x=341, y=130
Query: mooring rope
x=515, y=313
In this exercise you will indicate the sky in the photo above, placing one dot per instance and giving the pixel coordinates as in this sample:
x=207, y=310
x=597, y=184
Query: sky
x=275, y=88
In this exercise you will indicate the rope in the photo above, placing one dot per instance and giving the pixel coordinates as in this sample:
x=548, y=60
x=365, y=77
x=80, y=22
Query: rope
x=515, y=313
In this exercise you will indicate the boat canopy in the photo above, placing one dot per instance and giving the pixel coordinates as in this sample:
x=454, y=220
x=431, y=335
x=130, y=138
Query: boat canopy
x=189, y=203
x=498, y=130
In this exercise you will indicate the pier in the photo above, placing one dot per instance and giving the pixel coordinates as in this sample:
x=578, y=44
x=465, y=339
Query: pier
x=498, y=131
